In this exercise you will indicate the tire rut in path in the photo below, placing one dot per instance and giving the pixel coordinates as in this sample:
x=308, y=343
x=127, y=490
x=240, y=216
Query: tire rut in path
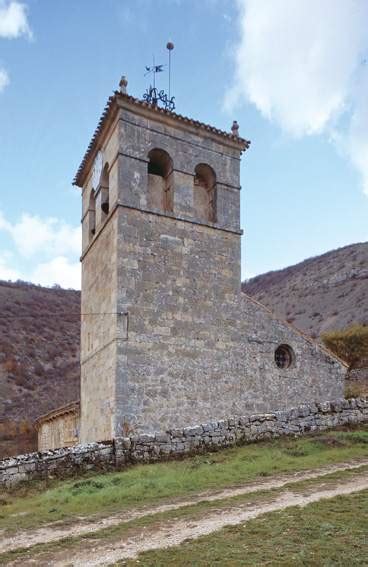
x=55, y=532
x=174, y=533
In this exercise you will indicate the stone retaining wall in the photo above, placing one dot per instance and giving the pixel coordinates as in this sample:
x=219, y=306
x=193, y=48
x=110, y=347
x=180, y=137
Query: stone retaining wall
x=120, y=452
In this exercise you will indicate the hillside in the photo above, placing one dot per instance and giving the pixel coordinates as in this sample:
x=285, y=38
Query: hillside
x=322, y=293
x=39, y=358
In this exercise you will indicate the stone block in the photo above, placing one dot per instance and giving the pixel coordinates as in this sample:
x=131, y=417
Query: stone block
x=243, y=421
x=192, y=431
x=303, y=410
x=336, y=405
x=162, y=437
x=325, y=407
x=254, y=418
x=282, y=415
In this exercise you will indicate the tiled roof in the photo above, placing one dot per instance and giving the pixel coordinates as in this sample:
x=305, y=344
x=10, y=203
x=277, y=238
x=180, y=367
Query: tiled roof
x=109, y=105
x=72, y=407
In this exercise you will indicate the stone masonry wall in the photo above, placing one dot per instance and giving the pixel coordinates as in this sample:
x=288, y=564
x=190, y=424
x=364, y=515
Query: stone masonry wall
x=198, y=349
x=98, y=336
x=143, y=448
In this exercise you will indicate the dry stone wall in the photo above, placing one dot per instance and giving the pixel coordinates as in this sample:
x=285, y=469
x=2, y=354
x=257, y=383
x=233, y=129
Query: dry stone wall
x=143, y=448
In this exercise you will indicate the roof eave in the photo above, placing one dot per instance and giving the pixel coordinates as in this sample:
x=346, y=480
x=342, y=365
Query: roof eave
x=71, y=407
x=241, y=143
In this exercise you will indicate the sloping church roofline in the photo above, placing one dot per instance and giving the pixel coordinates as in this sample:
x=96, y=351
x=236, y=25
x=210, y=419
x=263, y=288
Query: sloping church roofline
x=308, y=338
x=112, y=104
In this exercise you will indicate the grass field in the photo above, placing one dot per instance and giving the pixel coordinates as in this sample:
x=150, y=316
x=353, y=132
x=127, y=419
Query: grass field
x=149, y=484
x=327, y=533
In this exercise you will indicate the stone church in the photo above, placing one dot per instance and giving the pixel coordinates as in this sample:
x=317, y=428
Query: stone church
x=168, y=339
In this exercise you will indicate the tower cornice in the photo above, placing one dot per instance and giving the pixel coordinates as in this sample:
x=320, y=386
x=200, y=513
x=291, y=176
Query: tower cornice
x=126, y=102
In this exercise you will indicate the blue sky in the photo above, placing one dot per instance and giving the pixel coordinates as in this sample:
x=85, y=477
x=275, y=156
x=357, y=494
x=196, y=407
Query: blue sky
x=292, y=72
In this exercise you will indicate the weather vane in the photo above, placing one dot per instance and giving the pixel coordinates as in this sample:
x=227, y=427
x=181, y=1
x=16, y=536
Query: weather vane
x=153, y=95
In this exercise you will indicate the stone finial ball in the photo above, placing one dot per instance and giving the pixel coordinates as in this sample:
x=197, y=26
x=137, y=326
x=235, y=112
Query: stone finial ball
x=170, y=45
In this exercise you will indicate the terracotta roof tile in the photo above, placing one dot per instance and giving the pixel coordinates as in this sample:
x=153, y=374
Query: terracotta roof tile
x=110, y=103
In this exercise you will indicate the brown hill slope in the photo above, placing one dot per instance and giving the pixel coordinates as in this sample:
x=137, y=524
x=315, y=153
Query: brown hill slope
x=39, y=358
x=322, y=293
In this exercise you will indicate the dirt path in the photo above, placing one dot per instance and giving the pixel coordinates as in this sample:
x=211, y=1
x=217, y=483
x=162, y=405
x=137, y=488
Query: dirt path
x=55, y=532
x=170, y=533
x=177, y=532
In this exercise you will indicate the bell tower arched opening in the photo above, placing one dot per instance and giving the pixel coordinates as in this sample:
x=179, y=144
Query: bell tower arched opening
x=204, y=197
x=160, y=180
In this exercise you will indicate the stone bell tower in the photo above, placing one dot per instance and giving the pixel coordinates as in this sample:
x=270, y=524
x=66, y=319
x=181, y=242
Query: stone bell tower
x=168, y=339
x=161, y=255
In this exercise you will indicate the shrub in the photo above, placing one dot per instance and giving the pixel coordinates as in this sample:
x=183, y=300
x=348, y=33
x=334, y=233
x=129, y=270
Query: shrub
x=350, y=344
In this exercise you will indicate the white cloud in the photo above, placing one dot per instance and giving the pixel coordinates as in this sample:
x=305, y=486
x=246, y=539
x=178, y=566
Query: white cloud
x=13, y=24
x=6, y=271
x=13, y=20
x=32, y=235
x=356, y=144
x=60, y=271
x=48, y=249
x=4, y=79
x=303, y=65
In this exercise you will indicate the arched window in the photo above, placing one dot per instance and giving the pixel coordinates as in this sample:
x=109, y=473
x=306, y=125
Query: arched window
x=204, y=197
x=104, y=188
x=160, y=180
x=91, y=215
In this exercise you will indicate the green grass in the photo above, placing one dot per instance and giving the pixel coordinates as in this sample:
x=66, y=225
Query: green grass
x=48, y=553
x=151, y=484
x=327, y=533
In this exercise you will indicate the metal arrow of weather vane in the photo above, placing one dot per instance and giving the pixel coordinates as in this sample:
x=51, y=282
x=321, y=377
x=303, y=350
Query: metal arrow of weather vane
x=155, y=96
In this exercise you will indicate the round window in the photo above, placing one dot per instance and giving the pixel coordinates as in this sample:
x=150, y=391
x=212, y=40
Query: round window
x=284, y=356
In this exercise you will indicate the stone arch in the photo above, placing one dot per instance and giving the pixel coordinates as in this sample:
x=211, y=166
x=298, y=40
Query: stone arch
x=204, y=197
x=160, y=180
